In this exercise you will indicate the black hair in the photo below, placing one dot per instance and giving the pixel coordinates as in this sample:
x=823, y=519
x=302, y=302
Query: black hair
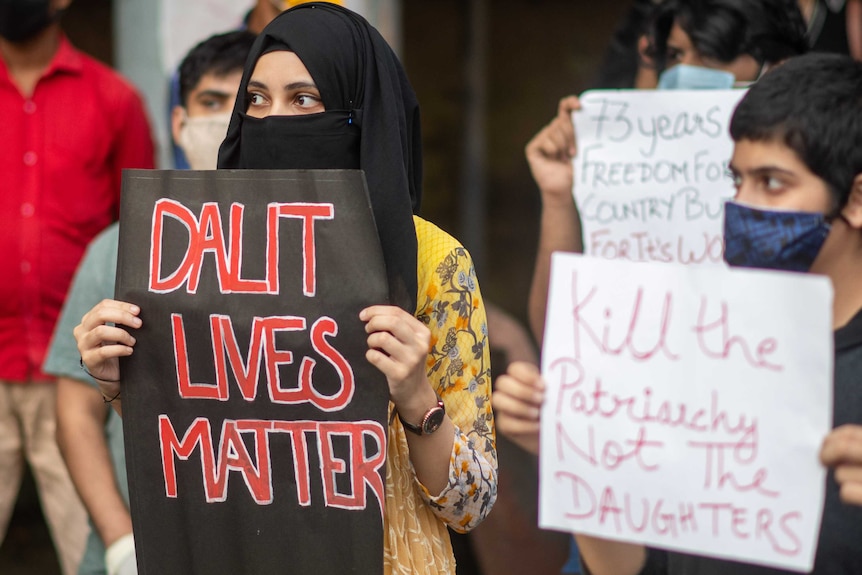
x=813, y=105
x=621, y=59
x=767, y=30
x=220, y=55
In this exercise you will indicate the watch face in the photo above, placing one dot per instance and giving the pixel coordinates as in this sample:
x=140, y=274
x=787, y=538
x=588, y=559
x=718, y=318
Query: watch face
x=433, y=421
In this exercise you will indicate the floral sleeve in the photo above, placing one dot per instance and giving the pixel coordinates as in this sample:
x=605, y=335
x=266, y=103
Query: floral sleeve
x=458, y=368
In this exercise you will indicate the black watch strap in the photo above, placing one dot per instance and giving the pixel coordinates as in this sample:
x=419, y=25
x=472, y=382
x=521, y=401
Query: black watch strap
x=431, y=421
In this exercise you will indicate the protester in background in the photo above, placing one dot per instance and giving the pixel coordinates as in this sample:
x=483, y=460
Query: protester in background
x=634, y=60
x=834, y=26
x=69, y=125
x=331, y=67
x=623, y=65
x=684, y=44
x=693, y=44
x=208, y=82
x=796, y=157
x=255, y=20
x=89, y=433
x=742, y=37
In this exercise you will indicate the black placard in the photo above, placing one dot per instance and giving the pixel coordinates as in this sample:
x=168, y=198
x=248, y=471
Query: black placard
x=255, y=429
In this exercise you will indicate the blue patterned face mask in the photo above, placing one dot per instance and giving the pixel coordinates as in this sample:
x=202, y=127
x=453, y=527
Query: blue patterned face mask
x=686, y=77
x=772, y=239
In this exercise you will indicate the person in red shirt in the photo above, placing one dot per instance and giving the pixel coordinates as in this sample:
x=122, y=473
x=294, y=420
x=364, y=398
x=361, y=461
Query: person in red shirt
x=69, y=126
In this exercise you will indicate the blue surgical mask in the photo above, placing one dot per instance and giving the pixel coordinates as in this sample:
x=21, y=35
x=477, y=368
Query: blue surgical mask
x=685, y=77
x=772, y=239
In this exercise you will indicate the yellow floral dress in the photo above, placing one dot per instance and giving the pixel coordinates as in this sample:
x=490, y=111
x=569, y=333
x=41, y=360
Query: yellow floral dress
x=449, y=303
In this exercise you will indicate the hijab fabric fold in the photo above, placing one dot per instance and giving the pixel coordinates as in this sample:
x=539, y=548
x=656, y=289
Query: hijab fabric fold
x=361, y=82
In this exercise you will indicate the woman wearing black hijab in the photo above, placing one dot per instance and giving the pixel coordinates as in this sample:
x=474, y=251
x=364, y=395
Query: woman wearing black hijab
x=323, y=90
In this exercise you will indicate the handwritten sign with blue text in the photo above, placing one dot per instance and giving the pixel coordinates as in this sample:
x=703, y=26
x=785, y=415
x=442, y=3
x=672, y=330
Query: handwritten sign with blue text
x=651, y=173
x=686, y=406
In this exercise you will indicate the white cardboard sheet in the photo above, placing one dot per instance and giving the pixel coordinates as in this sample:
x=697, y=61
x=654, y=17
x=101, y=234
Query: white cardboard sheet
x=686, y=406
x=651, y=173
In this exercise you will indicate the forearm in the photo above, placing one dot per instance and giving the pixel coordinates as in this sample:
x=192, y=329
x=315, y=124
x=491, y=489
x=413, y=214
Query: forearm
x=429, y=454
x=605, y=557
x=81, y=437
x=111, y=396
x=117, y=406
x=472, y=490
x=509, y=335
x=110, y=392
x=560, y=231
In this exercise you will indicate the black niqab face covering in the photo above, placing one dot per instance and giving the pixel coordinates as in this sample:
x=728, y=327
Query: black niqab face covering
x=326, y=141
x=371, y=122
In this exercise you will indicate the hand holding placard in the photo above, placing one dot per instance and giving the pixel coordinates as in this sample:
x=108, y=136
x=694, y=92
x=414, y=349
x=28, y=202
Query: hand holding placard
x=550, y=152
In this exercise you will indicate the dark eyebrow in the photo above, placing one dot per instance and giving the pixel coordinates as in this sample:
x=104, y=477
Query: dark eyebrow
x=301, y=86
x=212, y=94
x=763, y=170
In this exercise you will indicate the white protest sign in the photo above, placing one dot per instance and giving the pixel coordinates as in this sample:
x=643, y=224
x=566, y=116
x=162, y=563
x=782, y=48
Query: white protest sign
x=685, y=407
x=650, y=174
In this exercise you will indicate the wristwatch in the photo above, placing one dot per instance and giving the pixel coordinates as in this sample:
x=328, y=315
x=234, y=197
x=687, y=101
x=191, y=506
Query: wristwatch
x=431, y=421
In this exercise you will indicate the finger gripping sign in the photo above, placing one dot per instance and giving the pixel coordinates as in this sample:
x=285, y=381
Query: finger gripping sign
x=651, y=173
x=685, y=407
x=255, y=428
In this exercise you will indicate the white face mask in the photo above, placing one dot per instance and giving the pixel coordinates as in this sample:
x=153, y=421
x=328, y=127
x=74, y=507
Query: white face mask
x=201, y=137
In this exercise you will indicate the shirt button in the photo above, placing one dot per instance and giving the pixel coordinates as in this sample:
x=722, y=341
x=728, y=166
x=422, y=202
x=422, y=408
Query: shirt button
x=27, y=209
x=25, y=267
x=29, y=107
x=30, y=159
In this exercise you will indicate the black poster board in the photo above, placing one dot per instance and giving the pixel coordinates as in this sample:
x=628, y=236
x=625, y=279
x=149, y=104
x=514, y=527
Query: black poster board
x=255, y=429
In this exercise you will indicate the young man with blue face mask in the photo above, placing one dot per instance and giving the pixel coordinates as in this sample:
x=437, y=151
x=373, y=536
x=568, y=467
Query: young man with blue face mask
x=797, y=168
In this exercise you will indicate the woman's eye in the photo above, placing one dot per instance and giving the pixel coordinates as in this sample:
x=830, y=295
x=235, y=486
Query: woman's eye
x=306, y=101
x=255, y=100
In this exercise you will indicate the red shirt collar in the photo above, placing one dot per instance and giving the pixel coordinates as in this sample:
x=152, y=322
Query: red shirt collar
x=66, y=59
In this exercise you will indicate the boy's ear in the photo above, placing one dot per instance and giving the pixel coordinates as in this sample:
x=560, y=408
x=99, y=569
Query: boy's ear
x=852, y=212
x=178, y=117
